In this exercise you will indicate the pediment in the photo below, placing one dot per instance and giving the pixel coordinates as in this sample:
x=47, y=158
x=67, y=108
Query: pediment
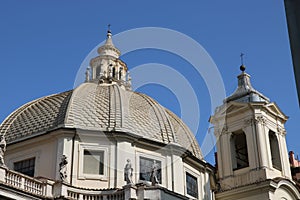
x=234, y=108
x=231, y=108
x=275, y=110
x=238, y=107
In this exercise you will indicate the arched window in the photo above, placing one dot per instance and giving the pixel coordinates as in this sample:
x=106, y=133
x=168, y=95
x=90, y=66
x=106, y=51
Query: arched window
x=275, y=153
x=239, y=150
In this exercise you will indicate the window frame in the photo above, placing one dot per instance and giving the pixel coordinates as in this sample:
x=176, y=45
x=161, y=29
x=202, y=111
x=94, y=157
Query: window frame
x=147, y=158
x=24, y=156
x=24, y=160
x=101, y=161
x=193, y=173
x=156, y=157
x=92, y=148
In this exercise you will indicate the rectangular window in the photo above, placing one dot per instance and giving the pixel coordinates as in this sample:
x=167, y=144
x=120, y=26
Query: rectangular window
x=25, y=166
x=93, y=162
x=147, y=166
x=191, y=185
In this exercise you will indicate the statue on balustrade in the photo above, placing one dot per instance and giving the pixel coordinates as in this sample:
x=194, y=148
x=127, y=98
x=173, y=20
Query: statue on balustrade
x=63, y=168
x=128, y=171
x=154, y=173
x=2, y=150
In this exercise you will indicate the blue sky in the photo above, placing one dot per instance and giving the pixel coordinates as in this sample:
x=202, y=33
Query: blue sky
x=43, y=43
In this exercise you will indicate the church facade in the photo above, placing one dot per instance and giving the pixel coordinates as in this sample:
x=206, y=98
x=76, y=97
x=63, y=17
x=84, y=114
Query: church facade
x=104, y=141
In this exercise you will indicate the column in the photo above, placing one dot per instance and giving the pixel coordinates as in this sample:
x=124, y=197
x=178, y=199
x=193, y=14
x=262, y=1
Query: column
x=262, y=140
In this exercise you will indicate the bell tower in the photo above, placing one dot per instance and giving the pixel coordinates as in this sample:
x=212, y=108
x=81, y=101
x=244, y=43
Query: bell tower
x=251, y=144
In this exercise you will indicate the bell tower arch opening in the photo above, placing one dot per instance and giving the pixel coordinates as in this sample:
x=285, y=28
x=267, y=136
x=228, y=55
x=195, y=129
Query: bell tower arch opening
x=239, y=150
x=275, y=153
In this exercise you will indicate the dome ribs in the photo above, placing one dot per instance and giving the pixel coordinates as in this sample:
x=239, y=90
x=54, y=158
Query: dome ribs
x=63, y=108
x=100, y=107
x=185, y=137
x=89, y=107
x=142, y=119
x=115, y=107
x=166, y=130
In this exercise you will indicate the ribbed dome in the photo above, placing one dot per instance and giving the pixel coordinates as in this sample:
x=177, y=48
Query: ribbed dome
x=101, y=107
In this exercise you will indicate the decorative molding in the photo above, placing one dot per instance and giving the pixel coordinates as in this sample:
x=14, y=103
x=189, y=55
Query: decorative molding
x=224, y=129
x=260, y=120
x=281, y=130
x=248, y=122
x=217, y=132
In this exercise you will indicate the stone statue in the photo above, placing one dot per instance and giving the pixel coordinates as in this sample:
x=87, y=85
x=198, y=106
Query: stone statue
x=128, y=80
x=63, y=168
x=2, y=150
x=154, y=173
x=128, y=171
x=87, y=75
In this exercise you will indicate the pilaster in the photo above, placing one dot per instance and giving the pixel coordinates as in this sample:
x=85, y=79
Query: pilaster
x=178, y=179
x=64, y=149
x=284, y=156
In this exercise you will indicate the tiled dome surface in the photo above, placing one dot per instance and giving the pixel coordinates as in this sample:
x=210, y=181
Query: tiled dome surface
x=37, y=116
x=100, y=107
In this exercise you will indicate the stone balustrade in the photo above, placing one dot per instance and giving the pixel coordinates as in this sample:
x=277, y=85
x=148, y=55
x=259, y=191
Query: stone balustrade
x=43, y=188
x=70, y=192
x=117, y=195
x=26, y=183
x=23, y=182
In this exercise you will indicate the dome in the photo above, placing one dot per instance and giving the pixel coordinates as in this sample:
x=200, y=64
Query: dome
x=99, y=107
x=105, y=102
